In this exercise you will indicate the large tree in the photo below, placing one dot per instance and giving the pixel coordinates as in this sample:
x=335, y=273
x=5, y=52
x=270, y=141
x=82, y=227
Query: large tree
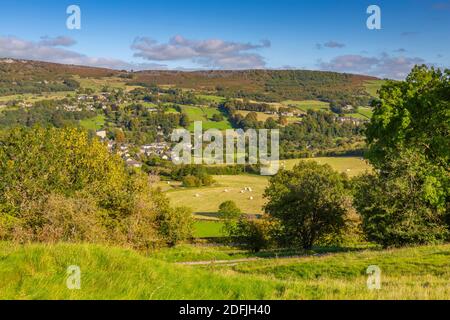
x=406, y=200
x=309, y=202
x=412, y=114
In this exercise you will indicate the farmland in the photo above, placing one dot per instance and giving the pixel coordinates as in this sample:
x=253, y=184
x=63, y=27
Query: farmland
x=205, y=201
x=209, y=198
x=372, y=86
x=95, y=123
x=204, y=114
x=306, y=105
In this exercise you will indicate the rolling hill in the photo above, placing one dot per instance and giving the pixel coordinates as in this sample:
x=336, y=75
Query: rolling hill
x=25, y=76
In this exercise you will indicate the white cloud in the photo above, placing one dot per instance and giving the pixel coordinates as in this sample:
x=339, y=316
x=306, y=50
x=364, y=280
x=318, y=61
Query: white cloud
x=384, y=66
x=48, y=49
x=211, y=53
x=330, y=44
x=60, y=41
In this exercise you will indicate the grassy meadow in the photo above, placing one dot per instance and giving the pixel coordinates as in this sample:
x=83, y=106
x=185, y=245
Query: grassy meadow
x=39, y=272
x=204, y=114
x=205, y=201
x=95, y=123
x=372, y=86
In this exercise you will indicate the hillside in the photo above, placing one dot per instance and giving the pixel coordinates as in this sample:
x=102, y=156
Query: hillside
x=24, y=76
x=39, y=272
x=264, y=85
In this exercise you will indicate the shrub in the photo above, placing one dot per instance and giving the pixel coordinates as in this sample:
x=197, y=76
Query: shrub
x=191, y=181
x=252, y=234
x=61, y=185
x=229, y=210
x=403, y=204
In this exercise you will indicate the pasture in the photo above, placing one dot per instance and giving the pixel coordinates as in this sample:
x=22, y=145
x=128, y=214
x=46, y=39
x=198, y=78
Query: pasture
x=261, y=116
x=95, y=123
x=32, y=98
x=205, y=201
x=204, y=114
x=208, y=229
x=352, y=166
x=372, y=86
x=306, y=105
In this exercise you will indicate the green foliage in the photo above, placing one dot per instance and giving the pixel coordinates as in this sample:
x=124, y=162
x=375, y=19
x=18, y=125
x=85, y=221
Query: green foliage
x=61, y=185
x=409, y=145
x=405, y=204
x=252, y=234
x=217, y=117
x=412, y=114
x=228, y=210
x=43, y=113
x=175, y=224
x=310, y=203
x=118, y=273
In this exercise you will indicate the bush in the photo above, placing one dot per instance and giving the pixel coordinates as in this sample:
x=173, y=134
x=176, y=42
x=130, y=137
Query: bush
x=229, y=210
x=61, y=185
x=252, y=234
x=402, y=205
x=191, y=181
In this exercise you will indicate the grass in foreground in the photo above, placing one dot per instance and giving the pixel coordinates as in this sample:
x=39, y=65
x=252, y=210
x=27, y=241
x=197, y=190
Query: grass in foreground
x=39, y=272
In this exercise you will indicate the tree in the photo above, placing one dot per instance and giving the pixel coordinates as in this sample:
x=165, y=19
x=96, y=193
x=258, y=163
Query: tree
x=405, y=204
x=184, y=120
x=217, y=117
x=252, y=234
x=409, y=146
x=412, y=114
x=229, y=210
x=61, y=185
x=309, y=202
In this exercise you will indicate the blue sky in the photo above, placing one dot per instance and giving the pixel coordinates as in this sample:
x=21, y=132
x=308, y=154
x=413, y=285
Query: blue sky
x=199, y=34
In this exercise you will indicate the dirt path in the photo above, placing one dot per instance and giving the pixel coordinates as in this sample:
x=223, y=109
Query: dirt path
x=236, y=261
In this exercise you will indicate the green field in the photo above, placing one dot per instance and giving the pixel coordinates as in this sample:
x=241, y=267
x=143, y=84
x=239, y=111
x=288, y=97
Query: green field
x=308, y=105
x=40, y=272
x=208, y=229
x=261, y=116
x=204, y=114
x=211, y=98
x=352, y=166
x=209, y=198
x=372, y=86
x=95, y=123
